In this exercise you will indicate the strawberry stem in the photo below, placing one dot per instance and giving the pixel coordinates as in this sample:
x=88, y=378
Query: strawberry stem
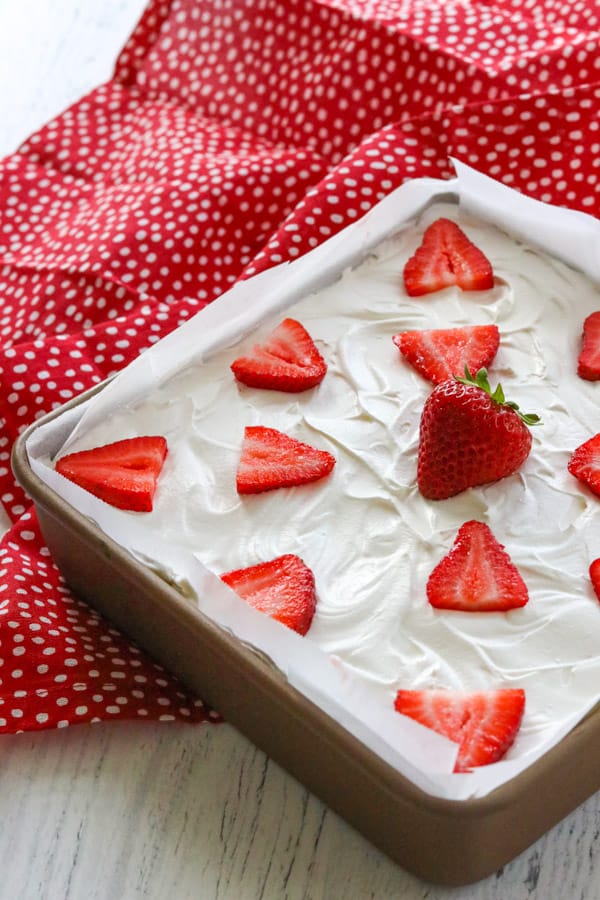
x=481, y=380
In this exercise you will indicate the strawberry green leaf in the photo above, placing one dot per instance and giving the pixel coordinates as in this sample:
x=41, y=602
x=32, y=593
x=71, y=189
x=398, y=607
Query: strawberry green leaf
x=481, y=381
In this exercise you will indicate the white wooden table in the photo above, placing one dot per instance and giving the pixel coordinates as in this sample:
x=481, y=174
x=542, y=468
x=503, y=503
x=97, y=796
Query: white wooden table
x=172, y=812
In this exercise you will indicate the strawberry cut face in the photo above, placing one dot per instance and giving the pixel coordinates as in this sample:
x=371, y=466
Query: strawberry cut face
x=439, y=354
x=588, y=364
x=283, y=588
x=123, y=473
x=484, y=724
x=288, y=360
x=447, y=257
x=477, y=575
x=584, y=464
x=271, y=459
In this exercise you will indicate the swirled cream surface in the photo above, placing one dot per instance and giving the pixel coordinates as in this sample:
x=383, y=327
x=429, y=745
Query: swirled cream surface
x=369, y=536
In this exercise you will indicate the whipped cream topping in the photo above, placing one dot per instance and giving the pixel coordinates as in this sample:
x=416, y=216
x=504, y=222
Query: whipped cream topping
x=368, y=535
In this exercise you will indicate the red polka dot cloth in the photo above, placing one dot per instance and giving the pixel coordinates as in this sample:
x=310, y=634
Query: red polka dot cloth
x=235, y=135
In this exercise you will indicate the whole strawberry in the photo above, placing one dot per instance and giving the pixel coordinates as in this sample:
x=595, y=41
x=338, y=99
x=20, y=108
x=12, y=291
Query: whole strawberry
x=469, y=436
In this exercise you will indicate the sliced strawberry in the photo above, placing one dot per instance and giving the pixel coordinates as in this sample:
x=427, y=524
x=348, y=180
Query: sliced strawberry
x=271, y=459
x=585, y=463
x=123, y=473
x=288, y=360
x=444, y=352
x=477, y=575
x=595, y=576
x=447, y=257
x=484, y=724
x=283, y=588
x=588, y=364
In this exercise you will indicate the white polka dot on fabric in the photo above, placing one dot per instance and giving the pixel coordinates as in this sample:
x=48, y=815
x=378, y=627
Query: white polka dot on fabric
x=64, y=688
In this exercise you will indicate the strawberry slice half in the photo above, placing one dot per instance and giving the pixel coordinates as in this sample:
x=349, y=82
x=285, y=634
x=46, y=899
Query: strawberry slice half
x=288, y=360
x=585, y=464
x=283, y=588
x=123, y=473
x=447, y=257
x=595, y=576
x=441, y=353
x=271, y=459
x=484, y=724
x=477, y=575
x=588, y=364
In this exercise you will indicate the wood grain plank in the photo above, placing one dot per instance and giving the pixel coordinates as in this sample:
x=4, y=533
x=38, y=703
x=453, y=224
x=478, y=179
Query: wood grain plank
x=128, y=810
x=51, y=54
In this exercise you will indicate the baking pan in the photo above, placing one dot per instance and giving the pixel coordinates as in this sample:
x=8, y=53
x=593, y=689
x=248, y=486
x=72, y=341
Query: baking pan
x=442, y=841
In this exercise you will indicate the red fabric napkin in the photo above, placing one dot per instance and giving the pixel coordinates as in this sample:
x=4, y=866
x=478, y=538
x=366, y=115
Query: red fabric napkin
x=234, y=136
